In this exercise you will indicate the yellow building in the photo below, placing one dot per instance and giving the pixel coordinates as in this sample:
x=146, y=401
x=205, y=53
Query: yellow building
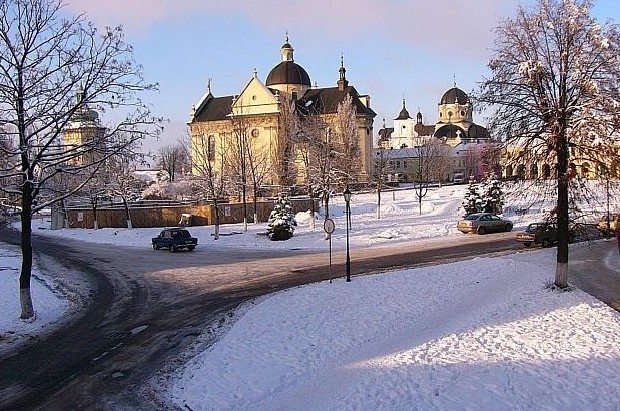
x=259, y=111
x=82, y=131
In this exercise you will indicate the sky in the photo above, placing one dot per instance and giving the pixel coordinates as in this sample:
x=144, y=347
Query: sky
x=496, y=338
x=392, y=49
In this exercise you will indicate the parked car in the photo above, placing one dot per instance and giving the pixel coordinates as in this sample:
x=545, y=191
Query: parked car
x=614, y=222
x=542, y=233
x=482, y=223
x=174, y=239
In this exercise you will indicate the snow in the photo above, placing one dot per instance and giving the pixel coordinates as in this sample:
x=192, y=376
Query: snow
x=50, y=304
x=480, y=334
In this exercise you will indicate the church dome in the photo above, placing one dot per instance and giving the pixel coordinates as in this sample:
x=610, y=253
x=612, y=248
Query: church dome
x=454, y=95
x=288, y=72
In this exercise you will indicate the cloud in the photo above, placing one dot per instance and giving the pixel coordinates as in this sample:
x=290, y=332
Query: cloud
x=461, y=26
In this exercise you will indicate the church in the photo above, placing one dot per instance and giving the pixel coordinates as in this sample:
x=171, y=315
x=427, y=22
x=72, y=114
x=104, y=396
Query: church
x=260, y=111
x=465, y=140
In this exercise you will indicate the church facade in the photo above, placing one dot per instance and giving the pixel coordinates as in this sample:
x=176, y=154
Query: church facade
x=261, y=113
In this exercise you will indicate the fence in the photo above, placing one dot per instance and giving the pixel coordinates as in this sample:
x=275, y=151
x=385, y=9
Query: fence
x=143, y=216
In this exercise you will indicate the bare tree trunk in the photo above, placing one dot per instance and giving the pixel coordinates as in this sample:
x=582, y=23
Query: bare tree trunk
x=216, y=228
x=379, y=202
x=561, y=272
x=312, y=213
x=127, y=215
x=25, y=297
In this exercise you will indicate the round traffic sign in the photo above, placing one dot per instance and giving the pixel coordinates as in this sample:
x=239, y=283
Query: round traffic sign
x=329, y=226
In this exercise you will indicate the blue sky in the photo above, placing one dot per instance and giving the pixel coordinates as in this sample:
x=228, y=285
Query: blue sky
x=392, y=48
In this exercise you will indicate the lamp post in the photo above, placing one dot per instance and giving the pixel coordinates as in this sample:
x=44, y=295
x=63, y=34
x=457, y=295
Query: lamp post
x=347, y=199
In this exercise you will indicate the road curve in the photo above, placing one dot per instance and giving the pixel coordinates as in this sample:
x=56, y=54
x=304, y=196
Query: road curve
x=145, y=307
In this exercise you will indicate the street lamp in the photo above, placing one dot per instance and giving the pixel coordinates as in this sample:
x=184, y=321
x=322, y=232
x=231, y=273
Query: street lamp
x=347, y=199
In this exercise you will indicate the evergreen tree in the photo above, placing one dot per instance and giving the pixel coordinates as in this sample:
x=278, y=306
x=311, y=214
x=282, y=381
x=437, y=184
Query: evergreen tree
x=493, y=197
x=281, y=222
x=472, y=203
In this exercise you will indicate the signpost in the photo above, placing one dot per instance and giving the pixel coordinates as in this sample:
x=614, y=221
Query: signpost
x=329, y=226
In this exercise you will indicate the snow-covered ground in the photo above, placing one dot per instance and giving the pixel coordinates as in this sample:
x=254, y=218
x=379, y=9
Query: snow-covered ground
x=479, y=334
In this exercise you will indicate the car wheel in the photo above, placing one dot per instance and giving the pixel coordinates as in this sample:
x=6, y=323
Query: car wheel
x=172, y=249
x=508, y=227
x=527, y=245
x=546, y=243
x=191, y=248
x=481, y=231
x=155, y=247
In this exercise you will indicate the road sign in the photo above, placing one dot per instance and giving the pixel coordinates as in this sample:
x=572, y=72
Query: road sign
x=329, y=226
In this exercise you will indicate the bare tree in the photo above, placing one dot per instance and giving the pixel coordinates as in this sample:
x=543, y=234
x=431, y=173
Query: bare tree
x=381, y=169
x=288, y=130
x=347, y=139
x=237, y=158
x=209, y=165
x=323, y=171
x=44, y=58
x=309, y=143
x=554, y=88
x=173, y=159
x=122, y=183
x=443, y=161
x=258, y=169
x=431, y=155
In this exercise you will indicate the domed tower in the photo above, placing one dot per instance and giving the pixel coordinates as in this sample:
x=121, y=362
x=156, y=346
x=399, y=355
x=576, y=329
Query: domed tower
x=83, y=127
x=288, y=76
x=456, y=122
x=455, y=108
x=404, y=134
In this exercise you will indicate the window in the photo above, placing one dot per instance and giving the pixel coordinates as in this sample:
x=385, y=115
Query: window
x=255, y=133
x=211, y=148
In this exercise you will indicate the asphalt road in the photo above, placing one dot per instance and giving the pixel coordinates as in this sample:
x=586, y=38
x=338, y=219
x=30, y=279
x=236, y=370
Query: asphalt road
x=143, y=308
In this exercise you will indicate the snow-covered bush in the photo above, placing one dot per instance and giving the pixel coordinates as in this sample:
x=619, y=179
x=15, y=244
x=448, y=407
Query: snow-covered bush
x=281, y=223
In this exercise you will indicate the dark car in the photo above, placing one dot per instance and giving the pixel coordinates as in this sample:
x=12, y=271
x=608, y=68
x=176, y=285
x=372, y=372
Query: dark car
x=543, y=233
x=482, y=223
x=174, y=239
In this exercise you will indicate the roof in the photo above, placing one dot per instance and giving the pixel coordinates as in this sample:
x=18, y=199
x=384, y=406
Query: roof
x=404, y=114
x=454, y=95
x=477, y=132
x=216, y=108
x=326, y=100
x=450, y=131
x=288, y=72
x=424, y=130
